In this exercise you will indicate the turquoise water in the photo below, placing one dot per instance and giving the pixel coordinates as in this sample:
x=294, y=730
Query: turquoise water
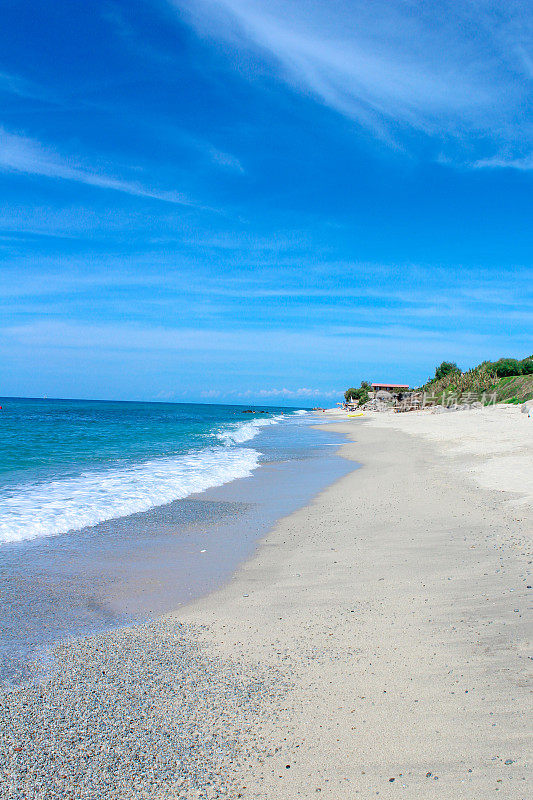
x=113, y=512
x=68, y=464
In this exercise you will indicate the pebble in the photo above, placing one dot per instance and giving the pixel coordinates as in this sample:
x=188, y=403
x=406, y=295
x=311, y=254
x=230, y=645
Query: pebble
x=141, y=712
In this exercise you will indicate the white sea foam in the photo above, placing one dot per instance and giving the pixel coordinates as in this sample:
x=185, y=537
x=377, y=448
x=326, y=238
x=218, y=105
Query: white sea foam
x=46, y=509
x=300, y=412
x=238, y=432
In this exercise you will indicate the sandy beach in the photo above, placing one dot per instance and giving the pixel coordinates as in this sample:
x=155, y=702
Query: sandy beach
x=375, y=644
x=219, y=218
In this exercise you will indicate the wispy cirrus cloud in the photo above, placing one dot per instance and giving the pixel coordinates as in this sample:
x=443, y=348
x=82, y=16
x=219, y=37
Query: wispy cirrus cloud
x=300, y=393
x=21, y=87
x=448, y=70
x=523, y=163
x=30, y=157
x=293, y=394
x=224, y=160
x=276, y=353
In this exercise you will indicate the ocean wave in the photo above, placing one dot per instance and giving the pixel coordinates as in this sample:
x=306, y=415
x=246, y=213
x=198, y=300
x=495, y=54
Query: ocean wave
x=240, y=432
x=300, y=412
x=48, y=509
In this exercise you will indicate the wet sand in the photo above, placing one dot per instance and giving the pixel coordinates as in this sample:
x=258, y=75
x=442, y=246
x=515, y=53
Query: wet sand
x=136, y=568
x=376, y=643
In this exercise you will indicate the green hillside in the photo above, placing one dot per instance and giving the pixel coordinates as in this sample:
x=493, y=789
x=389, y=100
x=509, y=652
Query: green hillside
x=509, y=379
x=514, y=389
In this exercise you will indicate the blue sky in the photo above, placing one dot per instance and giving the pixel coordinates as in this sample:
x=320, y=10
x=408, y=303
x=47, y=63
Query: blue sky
x=220, y=200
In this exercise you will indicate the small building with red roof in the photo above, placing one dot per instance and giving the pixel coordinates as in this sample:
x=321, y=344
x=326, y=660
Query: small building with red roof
x=393, y=388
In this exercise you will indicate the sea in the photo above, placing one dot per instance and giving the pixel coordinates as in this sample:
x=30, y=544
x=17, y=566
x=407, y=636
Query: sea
x=112, y=512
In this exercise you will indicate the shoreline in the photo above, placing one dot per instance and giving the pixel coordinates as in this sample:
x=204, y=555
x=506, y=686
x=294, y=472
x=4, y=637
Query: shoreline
x=132, y=569
x=372, y=636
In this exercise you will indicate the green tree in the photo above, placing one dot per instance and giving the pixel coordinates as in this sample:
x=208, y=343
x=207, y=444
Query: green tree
x=445, y=368
x=527, y=366
x=506, y=367
x=358, y=395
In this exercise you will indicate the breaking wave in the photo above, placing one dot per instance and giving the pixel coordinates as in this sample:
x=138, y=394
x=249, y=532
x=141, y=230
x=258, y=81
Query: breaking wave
x=238, y=433
x=34, y=510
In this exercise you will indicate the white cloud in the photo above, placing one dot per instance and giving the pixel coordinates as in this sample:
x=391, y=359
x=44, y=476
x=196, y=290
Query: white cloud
x=524, y=164
x=446, y=69
x=225, y=160
x=277, y=361
x=362, y=343
x=302, y=392
x=30, y=157
x=14, y=84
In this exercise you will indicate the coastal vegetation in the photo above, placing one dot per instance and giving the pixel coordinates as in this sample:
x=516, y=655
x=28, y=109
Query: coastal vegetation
x=514, y=389
x=478, y=379
x=508, y=367
x=507, y=380
x=445, y=368
x=359, y=396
